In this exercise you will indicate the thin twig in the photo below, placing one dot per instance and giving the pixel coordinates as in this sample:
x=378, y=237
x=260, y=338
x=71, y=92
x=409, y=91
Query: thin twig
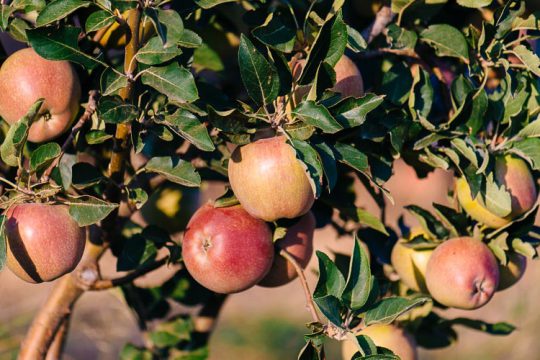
x=309, y=299
x=382, y=19
x=57, y=346
x=105, y=284
x=90, y=110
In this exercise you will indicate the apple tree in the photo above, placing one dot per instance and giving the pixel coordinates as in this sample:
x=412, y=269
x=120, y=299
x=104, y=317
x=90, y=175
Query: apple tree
x=111, y=106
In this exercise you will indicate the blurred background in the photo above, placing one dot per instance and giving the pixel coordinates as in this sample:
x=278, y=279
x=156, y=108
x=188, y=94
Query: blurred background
x=268, y=324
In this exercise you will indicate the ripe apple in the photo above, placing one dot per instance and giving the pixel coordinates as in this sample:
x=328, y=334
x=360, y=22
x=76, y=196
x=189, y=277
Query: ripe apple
x=269, y=181
x=388, y=336
x=171, y=207
x=43, y=241
x=514, y=174
x=462, y=273
x=411, y=264
x=299, y=243
x=512, y=272
x=349, y=80
x=227, y=250
x=24, y=78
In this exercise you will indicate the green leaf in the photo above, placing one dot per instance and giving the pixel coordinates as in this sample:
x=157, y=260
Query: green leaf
x=111, y=82
x=317, y=115
x=428, y=222
x=310, y=158
x=331, y=280
x=530, y=130
x=207, y=4
x=131, y=352
x=278, y=31
x=98, y=20
x=329, y=47
x=172, y=80
x=97, y=137
x=447, y=41
x=190, y=39
x=60, y=44
x=352, y=112
x=136, y=251
x=174, y=169
x=168, y=24
x=364, y=343
x=351, y=156
x=528, y=58
x=5, y=13
x=530, y=148
x=330, y=306
x=13, y=145
x=18, y=28
x=389, y=309
x=359, y=280
x=190, y=128
x=260, y=77
x=326, y=154
x=400, y=38
x=355, y=41
x=87, y=210
x=43, y=156
x=498, y=200
x=114, y=110
x=397, y=83
x=205, y=57
x=85, y=175
x=368, y=219
x=59, y=9
x=154, y=53
x=474, y=3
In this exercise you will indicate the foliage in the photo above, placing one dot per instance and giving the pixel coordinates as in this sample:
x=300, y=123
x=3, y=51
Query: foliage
x=446, y=90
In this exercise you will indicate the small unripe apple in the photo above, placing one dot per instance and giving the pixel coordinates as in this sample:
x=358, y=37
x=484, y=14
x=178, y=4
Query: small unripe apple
x=26, y=77
x=269, y=181
x=43, y=241
x=513, y=271
x=227, y=250
x=462, y=273
x=171, y=207
x=388, y=336
x=514, y=174
x=299, y=243
x=411, y=265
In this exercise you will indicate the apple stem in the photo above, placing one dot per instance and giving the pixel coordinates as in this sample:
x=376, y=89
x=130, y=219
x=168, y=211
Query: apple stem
x=309, y=299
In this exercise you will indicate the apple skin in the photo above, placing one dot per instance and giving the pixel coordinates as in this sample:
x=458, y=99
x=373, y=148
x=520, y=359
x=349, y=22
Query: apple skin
x=171, y=207
x=227, y=250
x=24, y=78
x=269, y=181
x=513, y=271
x=411, y=265
x=462, y=273
x=43, y=241
x=349, y=80
x=514, y=174
x=299, y=243
x=388, y=336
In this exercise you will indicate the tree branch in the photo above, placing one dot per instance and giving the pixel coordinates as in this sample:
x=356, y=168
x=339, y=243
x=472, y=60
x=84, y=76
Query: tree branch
x=205, y=321
x=382, y=19
x=57, y=346
x=105, y=284
x=310, y=305
x=68, y=290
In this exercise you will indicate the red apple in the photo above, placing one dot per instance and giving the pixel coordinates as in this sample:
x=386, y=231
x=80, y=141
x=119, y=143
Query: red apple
x=299, y=243
x=462, y=273
x=24, y=78
x=43, y=241
x=227, y=250
x=269, y=181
